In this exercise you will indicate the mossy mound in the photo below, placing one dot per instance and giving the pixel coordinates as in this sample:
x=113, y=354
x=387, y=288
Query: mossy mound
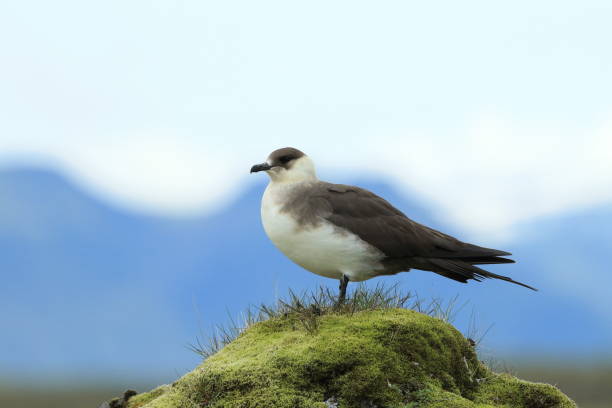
x=378, y=358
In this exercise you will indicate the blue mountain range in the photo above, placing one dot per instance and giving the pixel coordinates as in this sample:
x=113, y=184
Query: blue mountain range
x=91, y=290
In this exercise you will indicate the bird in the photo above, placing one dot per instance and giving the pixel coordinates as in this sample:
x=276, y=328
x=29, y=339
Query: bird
x=348, y=233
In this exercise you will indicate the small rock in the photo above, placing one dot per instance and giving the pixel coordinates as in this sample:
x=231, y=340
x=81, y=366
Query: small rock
x=119, y=402
x=332, y=402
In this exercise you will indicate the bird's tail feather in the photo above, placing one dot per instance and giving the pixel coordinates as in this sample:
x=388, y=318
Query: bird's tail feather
x=462, y=270
x=486, y=260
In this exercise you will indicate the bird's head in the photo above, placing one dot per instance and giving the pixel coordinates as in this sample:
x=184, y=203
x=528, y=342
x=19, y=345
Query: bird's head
x=287, y=165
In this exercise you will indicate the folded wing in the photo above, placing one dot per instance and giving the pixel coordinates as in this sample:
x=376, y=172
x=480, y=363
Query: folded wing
x=406, y=243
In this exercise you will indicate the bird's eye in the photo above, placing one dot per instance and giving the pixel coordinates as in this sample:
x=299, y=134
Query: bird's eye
x=285, y=159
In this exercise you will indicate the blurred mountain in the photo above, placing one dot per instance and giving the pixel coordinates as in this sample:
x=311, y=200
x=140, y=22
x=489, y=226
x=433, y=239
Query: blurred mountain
x=91, y=290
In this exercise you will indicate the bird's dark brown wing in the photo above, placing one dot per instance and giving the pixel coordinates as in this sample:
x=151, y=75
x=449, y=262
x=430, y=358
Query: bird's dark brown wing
x=406, y=243
x=377, y=222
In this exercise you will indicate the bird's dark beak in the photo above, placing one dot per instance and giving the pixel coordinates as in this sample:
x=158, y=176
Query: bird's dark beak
x=260, y=167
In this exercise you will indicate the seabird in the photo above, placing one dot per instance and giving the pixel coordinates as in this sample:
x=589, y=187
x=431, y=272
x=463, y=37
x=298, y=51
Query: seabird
x=351, y=234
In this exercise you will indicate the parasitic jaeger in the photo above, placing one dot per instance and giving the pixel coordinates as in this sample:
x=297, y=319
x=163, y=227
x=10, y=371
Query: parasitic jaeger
x=351, y=234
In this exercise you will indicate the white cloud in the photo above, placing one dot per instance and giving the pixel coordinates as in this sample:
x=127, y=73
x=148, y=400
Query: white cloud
x=487, y=178
x=167, y=173
x=495, y=173
x=490, y=176
x=161, y=172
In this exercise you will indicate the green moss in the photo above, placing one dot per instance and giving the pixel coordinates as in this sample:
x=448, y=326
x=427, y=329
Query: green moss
x=505, y=390
x=378, y=358
x=432, y=397
x=140, y=400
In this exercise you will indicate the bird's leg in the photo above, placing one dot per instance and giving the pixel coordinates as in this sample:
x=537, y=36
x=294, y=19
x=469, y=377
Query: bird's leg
x=343, y=284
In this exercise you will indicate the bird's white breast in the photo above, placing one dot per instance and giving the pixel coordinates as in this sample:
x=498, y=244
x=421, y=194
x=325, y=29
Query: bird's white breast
x=322, y=248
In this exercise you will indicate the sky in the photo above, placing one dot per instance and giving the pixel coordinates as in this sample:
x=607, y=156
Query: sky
x=494, y=113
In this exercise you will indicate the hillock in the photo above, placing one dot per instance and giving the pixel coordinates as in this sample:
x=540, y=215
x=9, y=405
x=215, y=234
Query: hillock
x=369, y=352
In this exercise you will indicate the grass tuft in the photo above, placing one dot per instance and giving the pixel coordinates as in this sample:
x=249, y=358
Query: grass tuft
x=307, y=308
